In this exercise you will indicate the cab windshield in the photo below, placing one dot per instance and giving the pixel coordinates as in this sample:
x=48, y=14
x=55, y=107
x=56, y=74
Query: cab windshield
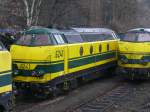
x=136, y=37
x=34, y=40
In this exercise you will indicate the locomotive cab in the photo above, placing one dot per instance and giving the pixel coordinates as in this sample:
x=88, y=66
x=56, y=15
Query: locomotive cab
x=134, y=54
x=32, y=52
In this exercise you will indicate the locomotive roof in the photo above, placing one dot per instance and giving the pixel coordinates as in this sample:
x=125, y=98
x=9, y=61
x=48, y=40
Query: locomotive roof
x=140, y=29
x=69, y=32
x=93, y=30
x=41, y=31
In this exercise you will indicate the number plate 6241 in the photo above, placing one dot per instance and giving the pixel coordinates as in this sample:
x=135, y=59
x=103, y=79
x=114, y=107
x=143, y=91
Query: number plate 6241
x=24, y=66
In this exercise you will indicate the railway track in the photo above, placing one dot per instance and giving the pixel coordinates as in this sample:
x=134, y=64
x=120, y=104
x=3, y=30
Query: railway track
x=108, y=101
x=145, y=107
x=105, y=85
x=26, y=105
x=111, y=94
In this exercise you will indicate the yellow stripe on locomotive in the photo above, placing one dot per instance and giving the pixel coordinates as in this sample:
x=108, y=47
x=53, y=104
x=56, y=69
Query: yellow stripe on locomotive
x=134, y=54
x=49, y=56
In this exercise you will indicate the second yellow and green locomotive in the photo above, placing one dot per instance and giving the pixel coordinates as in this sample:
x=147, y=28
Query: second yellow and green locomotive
x=134, y=54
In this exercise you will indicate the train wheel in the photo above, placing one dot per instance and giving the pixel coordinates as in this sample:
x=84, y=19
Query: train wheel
x=66, y=86
x=56, y=91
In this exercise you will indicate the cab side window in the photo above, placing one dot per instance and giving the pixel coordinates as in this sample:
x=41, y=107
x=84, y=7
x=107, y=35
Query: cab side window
x=91, y=37
x=59, y=38
x=74, y=39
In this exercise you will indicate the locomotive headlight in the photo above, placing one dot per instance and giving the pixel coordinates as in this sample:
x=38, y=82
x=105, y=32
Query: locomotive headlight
x=41, y=72
x=38, y=73
x=16, y=72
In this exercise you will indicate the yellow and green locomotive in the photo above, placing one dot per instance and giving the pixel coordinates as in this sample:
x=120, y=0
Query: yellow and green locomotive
x=5, y=80
x=134, y=54
x=47, y=59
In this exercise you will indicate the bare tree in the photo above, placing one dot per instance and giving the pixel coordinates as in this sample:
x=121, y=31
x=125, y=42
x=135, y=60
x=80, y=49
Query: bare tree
x=32, y=11
x=60, y=13
x=117, y=14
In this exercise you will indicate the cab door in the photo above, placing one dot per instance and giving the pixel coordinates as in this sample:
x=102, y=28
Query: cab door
x=60, y=53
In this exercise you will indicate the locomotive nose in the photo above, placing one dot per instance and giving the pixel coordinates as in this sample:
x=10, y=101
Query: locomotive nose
x=32, y=54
